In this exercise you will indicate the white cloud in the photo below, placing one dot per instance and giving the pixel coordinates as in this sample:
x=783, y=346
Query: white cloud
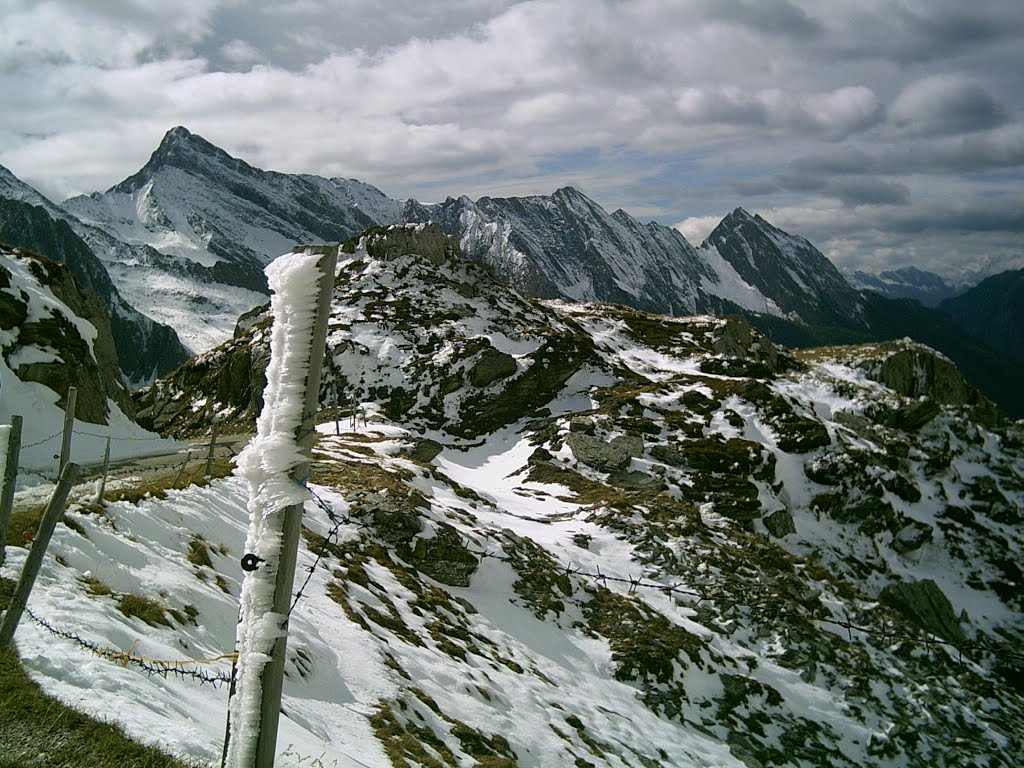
x=697, y=228
x=673, y=109
x=240, y=52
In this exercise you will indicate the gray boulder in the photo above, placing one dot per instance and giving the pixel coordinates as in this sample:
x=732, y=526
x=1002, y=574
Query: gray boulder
x=444, y=558
x=605, y=456
x=492, y=366
x=780, y=524
x=924, y=604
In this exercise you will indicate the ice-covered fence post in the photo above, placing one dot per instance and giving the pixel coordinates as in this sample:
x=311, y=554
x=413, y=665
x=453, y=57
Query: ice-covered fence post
x=10, y=447
x=54, y=511
x=276, y=465
x=69, y=428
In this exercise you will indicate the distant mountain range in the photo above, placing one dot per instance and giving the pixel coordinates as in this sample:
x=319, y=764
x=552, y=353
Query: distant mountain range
x=186, y=239
x=907, y=283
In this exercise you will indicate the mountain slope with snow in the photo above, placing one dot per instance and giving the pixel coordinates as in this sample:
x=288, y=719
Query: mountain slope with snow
x=567, y=246
x=54, y=335
x=207, y=223
x=552, y=533
x=906, y=283
x=786, y=268
x=145, y=348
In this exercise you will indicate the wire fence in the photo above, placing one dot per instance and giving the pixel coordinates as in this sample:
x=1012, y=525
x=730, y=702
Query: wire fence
x=887, y=634
x=711, y=590
x=163, y=668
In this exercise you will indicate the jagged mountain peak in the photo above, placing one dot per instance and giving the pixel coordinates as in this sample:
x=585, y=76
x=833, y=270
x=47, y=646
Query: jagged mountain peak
x=786, y=268
x=187, y=151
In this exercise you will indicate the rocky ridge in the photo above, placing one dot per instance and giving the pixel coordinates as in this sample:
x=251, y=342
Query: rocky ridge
x=743, y=529
x=57, y=334
x=145, y=347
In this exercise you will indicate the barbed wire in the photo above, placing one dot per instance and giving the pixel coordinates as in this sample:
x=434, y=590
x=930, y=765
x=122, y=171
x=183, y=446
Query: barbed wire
x=337, y=520
x=887, y=635
x=700, y=592
x=58, y=433
x=163, y=668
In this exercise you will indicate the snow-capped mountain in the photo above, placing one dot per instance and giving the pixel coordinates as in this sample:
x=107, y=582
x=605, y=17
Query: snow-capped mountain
x=145, y=348
x=567, y=246
x=569, y=534
x=186, y=238
x=905, y=283
x=786, y=268
x=199, y=226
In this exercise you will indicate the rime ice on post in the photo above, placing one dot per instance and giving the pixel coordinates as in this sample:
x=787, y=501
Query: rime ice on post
x=275, y=464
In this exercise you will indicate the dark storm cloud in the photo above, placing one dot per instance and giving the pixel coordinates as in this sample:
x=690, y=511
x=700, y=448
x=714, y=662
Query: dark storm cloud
x=782, y=19
x=912, y=32
x=849, y=190
x=946, y=104
x=974, y=153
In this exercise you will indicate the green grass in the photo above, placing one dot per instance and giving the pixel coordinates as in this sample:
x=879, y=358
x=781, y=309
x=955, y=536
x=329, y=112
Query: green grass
x=41, y=731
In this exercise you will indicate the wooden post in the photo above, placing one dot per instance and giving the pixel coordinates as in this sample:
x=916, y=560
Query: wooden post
x=337, y=408
x=10, y=478
x=181, y=469
x=106, y=466
x=69, y=428
x=271, y=678
x=213, y=446
x=54, y=512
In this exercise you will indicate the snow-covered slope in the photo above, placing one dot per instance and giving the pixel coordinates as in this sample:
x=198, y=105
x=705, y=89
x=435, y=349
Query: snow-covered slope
x=566, y=246
x=54, y=335
x=145, y=348
x=200, y=225
x=568, y=533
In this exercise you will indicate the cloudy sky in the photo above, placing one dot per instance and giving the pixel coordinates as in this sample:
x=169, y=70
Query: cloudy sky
x=889, y=132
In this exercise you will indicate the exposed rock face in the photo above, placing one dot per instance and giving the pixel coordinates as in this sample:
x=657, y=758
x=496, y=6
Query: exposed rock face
x=780, y=523
x=917, y=371
x=492, y=366
x=444, y=557
x=925, y=604
x=912, y=537
x=425, y=451
x=739, y=339
x=144, y=347
x=565, y=245
x=394, y=523
x=785, y=268
x=50, y=349
x=608, y=456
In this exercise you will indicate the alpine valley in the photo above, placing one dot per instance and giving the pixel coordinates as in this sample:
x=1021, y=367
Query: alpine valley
x=583, y=494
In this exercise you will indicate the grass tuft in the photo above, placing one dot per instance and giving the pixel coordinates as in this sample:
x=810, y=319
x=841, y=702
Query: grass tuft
x=150, y=611
x=41, y=731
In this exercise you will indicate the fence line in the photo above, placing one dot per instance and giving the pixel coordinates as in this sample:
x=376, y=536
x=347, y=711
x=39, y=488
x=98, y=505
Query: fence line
x=150, y=666
x=700, y=592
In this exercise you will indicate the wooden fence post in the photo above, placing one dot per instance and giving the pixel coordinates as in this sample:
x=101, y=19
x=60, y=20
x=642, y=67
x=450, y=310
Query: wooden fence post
x=271, y=676
x=54, y=512
x=69, y=428
x=10, y=469
x=103, y=480
x=213, y=446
